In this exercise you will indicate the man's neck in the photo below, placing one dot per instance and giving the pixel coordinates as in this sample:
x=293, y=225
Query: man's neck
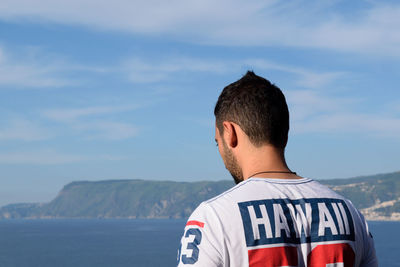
x=266, y=161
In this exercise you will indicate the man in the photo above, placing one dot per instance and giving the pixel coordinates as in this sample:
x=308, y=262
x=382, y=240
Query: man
x=272, y=217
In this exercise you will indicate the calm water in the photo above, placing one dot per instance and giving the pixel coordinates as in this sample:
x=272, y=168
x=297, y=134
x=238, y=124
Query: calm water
x=116, y=243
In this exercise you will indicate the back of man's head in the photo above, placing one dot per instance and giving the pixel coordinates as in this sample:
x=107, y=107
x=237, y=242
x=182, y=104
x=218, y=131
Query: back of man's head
x=258, y=107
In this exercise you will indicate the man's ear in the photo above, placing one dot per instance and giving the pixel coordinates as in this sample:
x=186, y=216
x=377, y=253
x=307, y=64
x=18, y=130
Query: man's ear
x=230, y=134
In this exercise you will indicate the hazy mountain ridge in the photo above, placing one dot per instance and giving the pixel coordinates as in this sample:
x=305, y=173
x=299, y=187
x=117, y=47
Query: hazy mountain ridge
x=121, y=199
x=377, y=196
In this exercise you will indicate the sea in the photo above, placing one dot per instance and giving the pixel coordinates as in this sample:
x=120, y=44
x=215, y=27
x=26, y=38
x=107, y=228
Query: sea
x=120, y=242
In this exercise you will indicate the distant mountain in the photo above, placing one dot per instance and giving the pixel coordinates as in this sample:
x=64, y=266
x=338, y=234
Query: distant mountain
x=378, y=197
x=121, y=199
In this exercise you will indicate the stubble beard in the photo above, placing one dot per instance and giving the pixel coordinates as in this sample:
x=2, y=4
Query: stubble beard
x=232, y=165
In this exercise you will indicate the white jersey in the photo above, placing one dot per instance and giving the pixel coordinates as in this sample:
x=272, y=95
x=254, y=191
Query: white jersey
x=277, y=222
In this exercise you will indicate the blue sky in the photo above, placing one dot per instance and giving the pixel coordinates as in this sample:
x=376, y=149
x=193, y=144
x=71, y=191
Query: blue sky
x=92, y=90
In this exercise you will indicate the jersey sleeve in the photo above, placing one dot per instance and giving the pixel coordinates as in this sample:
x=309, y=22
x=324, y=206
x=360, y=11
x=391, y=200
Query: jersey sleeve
x=201, y=243
x=369, y=257
x=364, y=240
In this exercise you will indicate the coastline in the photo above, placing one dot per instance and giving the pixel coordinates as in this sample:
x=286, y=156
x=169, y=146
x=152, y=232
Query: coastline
x=395, y=217
x=369, y=218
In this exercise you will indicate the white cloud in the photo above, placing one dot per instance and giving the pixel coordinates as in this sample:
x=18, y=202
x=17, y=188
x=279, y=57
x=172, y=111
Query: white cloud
x=31, y=67
x=70, y=114
x=140, y=70
x=36, y=68
x=85, y=122
x=29, y=71
x=92, y=122
x=23, y=129
x=48, y=157
x=375, y=32
x=110, y=130
x=372, y=29
x=315, y=112
x=367, y=124
x=305, y=104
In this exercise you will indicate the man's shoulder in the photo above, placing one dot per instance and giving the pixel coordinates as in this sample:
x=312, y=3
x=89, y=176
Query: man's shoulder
x=221, y=204
x=225, y=194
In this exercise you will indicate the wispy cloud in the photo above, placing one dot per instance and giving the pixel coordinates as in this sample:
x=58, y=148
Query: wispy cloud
x=93, y=122
x=49, y=157
x=306, y=104
x=109, y=130
x=140, y=70
x=31, y=67
x=367, y=124
x=70, y=114
x=29, y=71
x=34, y=68
x=315, y=112
x=23, y=129
x=372, y=29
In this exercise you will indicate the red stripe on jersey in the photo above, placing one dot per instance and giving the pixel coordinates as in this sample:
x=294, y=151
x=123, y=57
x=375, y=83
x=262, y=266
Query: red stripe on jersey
x=200, y=224
x=271, y=257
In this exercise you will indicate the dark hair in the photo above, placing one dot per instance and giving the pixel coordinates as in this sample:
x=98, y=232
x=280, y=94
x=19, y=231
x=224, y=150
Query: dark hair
x=258, y=107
